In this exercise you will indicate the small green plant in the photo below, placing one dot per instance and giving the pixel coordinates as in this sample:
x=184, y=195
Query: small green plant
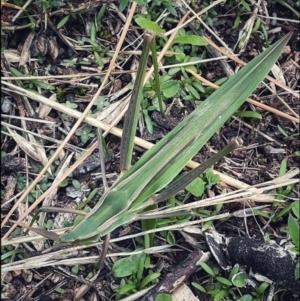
x=280, y=208
x=101, y=103
x=97, y=50
x=65, y=19
x=37, y=191
x=189, y=87
x=209, y=16
x=8, y=251
x=260, y=292
x=85, y=133
x=284, y=192
x=206, y=180
x=21, y=181
x=221, y=288
x=59, y=290
x=163, y=297
x=71, y=105
x=132, y=272
x=77, y=268
x=154, y=8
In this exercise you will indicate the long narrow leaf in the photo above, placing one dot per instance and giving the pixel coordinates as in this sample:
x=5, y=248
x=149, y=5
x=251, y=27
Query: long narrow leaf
x=132, y=113
x=202, y=123
x=165, y=160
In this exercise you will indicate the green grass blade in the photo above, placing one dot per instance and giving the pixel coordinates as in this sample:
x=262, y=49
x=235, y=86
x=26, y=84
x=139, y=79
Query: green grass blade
x=156, y=75
x=164, y=161
x=132, y=113
x=202, y=123
x=183, y=181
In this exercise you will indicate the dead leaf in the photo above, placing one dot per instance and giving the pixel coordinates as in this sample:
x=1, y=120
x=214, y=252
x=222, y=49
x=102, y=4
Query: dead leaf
x=278, y=74
x=25, y=145
x=44, y=110
x=25, y=54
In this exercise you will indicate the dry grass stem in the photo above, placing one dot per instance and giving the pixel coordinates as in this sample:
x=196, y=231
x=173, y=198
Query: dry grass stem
x=252, y=101
x=61, y=146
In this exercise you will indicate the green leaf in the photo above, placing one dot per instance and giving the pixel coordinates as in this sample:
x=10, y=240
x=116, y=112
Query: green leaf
x=261, y=213
x=60, y=290
x=256, y=25
x=282, y=131
x=87, y=128
x=43, y=85
x=199, y=287
x=246, y=298
x=171, y=238
x=163, y=297
x=140, y=267
x=196, y=187
x=198, y=86
x=172, y=10
x=294, y=230
x=246, y=5
x=98, y=59
x=149, y=25
x=193, y=91
x=180, y=55
x=92, y=194
x=174, y=70
x=123, y=267
x=191, y=67
x=170, y=88
x=123, y=4
x=63, y=21
x=191, y=39
x=126, y=288
x=131, y=117
x=239, y=279
x=220, y=295
x=71, y=105
x=249, y=114
x=262, y=288
x=63, y=183
x=207, y=269
x=84, y=137
x=75, y=269
x=149, y=278
x=49, y=224
x=79, y=218
x=296, y=208
x=155, y=104
x=148, y=121
x=10, y=253
x=57, y=3
x=224, y=281
x=136, y=260
x=211, y=177
x=162, y=163
x=141, y=2
x=233, y=271
x=283, y=167
x=236, y=21
x=76, y=184
x=16, y=72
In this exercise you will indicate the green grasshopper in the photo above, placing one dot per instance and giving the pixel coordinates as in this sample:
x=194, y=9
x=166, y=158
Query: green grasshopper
x=137, y=186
